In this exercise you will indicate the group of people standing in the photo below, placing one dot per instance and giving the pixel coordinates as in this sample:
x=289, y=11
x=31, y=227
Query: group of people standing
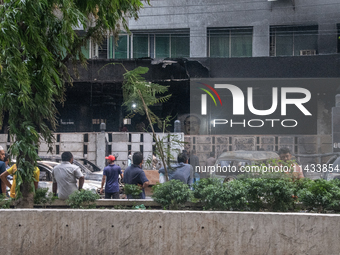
x=66, y=175
x=133, y=174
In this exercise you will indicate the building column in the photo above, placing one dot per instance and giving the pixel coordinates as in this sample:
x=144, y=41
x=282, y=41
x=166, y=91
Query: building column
x=336, y=124
x=198, y=42
x=261, y=42
x=327, y=39
x=101, y=149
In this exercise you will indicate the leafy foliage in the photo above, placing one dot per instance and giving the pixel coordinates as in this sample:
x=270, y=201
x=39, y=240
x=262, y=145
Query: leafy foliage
x=171, y=194
x=139, y=207
x=202, y=184
x=226, y=196
x=277, y=193
x=83, y=199
x=139, y=94
x=37, y=39
x=246, y=194
x=42, y=196
x=320, y=194
x=5, y=203
x=133, y=190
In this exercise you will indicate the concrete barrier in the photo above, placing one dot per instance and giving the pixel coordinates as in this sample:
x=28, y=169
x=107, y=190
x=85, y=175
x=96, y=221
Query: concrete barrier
x=166, y=232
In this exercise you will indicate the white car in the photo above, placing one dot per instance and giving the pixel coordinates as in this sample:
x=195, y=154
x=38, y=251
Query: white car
x=92, y=180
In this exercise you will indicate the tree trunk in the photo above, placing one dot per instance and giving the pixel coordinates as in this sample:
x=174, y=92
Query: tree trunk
x=27, y=199
x=158, y=143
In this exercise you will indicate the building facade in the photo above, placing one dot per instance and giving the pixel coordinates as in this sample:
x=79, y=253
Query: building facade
x=183, y=40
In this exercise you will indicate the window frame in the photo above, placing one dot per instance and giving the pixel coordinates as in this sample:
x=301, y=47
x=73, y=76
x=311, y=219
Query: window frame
x=152, y=45
x=274, y=31
x=229, y=32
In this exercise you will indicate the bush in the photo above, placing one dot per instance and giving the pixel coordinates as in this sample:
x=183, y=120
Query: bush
x=171, y=194
x=133, y=190
x=5, y=203
x=247, y=193
x=273, y=194
x=83, y=199
x=320, y=194
x=203, y=184
x=41, y=197
x=226, y=196
x=256, y=191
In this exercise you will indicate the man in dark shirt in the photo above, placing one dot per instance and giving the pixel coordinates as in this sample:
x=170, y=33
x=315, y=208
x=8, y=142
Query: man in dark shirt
x=2, y=169
x=135, y=175
x=181, y=171
x=110, y=175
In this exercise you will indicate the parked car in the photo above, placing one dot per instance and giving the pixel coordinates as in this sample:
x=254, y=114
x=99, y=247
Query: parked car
x=83, y=163
x=234, y=162
x=92, y=181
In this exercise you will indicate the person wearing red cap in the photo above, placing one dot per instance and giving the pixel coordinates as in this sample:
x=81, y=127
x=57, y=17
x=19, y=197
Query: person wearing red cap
x=110, y=176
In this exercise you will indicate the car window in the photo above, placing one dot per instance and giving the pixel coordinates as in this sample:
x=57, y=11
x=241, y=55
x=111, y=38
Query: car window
x=45, y=174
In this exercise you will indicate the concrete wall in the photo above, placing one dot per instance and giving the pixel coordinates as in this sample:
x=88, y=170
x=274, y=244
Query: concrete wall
x=198, y=15
x=167, y=232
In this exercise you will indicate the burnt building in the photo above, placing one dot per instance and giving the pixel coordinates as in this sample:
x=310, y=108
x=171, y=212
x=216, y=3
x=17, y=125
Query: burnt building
x=185, y=40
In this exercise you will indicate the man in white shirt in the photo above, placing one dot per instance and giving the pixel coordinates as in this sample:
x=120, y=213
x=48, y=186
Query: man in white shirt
x=65, y=177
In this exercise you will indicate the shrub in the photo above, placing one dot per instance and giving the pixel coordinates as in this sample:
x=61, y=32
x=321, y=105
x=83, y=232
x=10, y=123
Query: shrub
x=171, y=194
x=202, y=184
x=133, y=190
x=83, y=199
x=226, y=196
x=42, y=197
x=256, y=190
x=301, y=184
x=279, y=194
x=5, y=203
x=273, y=191
x=320, y=194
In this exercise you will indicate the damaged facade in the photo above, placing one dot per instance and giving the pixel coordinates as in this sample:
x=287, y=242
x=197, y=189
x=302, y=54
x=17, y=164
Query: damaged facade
x=184, y=40
x=180, y=41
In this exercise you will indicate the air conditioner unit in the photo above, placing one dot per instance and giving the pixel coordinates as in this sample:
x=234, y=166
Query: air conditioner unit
x=307, y=52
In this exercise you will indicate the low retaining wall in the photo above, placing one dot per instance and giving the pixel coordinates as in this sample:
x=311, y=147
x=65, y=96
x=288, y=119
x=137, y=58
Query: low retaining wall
x=45, y=231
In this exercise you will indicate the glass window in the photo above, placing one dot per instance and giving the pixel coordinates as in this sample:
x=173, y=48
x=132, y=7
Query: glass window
x=241, y=42
x=219, y=44
x=102, y=49
x=293, y=40
x=121, y=50
x=180, y=45
x=161, y=45
x=140, y=46
x=230, y=42
x=162, y=42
